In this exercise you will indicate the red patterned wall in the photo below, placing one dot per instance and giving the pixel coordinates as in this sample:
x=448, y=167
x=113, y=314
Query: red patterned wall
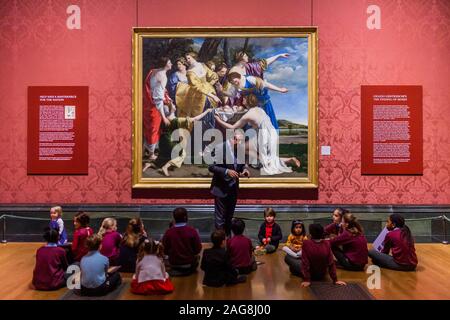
x=36, y=48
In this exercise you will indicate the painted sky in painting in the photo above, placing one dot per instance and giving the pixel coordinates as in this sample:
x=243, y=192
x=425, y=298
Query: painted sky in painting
x=290, y=72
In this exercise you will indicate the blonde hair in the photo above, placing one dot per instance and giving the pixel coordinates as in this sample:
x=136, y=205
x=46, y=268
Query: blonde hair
x=107, y=224
x=58, y=210
x=193, y=55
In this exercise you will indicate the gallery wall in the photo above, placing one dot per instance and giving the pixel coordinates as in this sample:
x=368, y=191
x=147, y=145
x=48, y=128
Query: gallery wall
x=36, y=48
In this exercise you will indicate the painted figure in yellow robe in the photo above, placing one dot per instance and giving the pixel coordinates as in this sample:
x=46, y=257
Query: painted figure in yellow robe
x=201, y=92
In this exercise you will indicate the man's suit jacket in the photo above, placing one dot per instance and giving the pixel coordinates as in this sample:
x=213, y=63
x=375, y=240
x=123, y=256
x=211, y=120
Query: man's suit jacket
x=222, y=185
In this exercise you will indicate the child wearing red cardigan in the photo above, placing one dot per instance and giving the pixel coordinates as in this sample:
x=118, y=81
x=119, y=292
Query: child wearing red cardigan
x=82, y=232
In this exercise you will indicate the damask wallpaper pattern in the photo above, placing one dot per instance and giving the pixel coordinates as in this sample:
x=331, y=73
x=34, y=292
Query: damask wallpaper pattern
x=412, y=47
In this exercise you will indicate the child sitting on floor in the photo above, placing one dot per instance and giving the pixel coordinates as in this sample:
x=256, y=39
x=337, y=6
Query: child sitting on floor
x=317, y=259
x=240, y=249
x=151, y=276
x=51, y=264
x=82, y=231
x=400, y=242
x=269, y=234
x=217, y=264
x=57, y=223
x=96, y=280
x=110, y=240
x=295, y=240
x=350, y=246
x=335, y=228
x=182, y=245
x=134, y=236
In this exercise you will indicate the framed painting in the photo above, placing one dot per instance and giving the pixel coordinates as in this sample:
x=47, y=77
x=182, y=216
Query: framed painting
x=232, y=95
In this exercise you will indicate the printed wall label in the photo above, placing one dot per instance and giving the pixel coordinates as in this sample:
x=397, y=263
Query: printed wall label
x=391, y=130
x=57, y=130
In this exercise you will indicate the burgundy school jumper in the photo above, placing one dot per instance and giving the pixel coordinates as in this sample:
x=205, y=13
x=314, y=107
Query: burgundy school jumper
x=317, y=259
x=79, y=248
x=403, y=253
x=51, y=263
x=181, y=244
x=110, y=246
x=332, y=228
x=240, y=250
x=353, y=247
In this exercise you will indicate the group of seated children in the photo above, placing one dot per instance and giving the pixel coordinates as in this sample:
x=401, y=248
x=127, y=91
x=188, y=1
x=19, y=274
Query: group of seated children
x=342, y=244
x=100, y=256
x=397, y=251
x=229, y=260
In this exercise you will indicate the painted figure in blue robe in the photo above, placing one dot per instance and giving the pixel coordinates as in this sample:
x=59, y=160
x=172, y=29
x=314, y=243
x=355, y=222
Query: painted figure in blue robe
x=256, y=69
x=246, y=85
x=177, y=77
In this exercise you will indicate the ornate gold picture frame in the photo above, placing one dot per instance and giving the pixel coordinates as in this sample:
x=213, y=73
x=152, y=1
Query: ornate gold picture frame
x=197, y=77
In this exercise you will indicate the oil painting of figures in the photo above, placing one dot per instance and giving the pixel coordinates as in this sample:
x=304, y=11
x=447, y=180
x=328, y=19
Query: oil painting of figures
x=198, y=90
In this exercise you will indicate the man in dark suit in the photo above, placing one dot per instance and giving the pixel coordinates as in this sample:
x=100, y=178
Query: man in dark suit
x=225, y=182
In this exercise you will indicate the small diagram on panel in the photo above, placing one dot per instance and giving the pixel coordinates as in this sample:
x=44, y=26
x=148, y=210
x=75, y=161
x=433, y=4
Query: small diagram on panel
x=69, y=112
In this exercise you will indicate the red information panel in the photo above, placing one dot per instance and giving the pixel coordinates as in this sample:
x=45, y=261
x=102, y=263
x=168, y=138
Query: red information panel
x=391, y=130
x=58, y=130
